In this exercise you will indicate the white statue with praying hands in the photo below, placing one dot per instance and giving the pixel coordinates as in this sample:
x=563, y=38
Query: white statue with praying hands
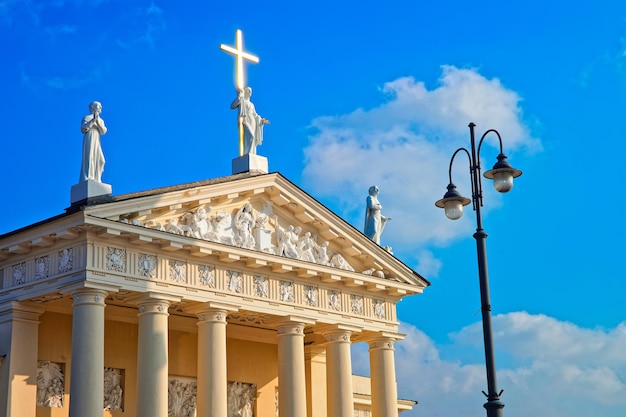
x=251, y=121
x=93, y=158
x=374, y=220
x=90, y=183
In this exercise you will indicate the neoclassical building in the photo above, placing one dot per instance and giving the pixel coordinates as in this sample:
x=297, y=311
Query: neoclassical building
x=237, y=296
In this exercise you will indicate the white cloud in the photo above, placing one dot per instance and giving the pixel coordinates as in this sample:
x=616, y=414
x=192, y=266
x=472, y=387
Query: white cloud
x=557, y=369
x=404, y=146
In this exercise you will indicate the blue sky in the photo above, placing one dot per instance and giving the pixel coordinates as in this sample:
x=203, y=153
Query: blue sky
x=359, y=94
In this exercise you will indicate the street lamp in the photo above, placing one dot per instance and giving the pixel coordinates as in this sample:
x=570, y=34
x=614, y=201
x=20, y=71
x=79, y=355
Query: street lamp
x=452, y=202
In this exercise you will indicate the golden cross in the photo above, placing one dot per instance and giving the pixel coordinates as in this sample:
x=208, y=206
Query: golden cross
x=241, y=55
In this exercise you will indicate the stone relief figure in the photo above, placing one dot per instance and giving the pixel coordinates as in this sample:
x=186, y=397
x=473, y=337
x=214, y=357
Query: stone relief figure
x=182, y=397
x=222, y=225
x=374, y=220
x=93, y=159
x=50, y=388
x=261, y=286
x=321, y=253
x=42, y=267
x=286, y=239
x=206, y=273
x=305, y=248
x=286, y=291
x=333, y=300
x=241, y=397
x=242, y=226
x=339, y=262
x=112, y=389
x=234, y=283
x=252, y=122
x=66, y=259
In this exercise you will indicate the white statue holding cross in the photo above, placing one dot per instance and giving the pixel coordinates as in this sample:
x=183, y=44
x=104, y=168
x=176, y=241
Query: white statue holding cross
x=249, y=122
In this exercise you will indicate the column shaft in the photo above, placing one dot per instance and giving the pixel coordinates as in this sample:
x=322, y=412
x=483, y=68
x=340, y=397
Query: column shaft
x=152, y=365
x=19, y=328
x=339, y=374
x=383, y=378
x=87, y=366
x=291, y=376
x=212, y=378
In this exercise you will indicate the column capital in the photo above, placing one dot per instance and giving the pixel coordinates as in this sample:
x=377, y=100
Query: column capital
x=383, y=340
x=337, y=332
x=212, y=316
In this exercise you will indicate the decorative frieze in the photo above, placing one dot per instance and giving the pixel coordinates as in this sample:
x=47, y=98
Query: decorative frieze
x=334, y=300
x=379, y=308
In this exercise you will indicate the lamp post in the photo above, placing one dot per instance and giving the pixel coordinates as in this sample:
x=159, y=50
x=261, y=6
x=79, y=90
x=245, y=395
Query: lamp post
x=452, y=202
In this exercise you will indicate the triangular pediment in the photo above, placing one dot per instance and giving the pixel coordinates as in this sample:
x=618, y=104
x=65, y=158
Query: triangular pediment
x=263, y=213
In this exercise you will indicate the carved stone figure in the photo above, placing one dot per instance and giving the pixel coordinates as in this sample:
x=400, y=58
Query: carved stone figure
x=206, y=275
x=93, y=159
x=287, y=240
x=243, y=227
x=356, y=304
x=116, y=259
x=310, y=295
x=286, y=291
x=321, y=253
x=112, y=389
x=222, y=224
x=66, y=259
x=252, y=122
x=339, y=262
x=182, y=397
x=374, y=220
x=177, y=271
x=42, y=267
x=333, y=300
x=241, y=397
x=379, y=309
x=147, y=265
x=234, y=283
x=261, y=286
x=50, y=388
x=19, y=273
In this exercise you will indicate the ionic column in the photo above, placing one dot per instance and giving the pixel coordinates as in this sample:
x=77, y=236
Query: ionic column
x=383, y=377
x=19, y=328
x=87, y=366
x=291, y=375
x=340, y=402
x=212, y=379
x=152, y=365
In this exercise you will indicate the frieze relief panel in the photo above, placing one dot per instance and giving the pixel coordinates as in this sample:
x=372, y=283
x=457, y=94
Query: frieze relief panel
x=42, y=266
x=235, y=282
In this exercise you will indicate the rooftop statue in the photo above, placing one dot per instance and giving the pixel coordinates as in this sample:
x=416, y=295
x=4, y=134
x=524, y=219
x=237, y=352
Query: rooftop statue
x=248, y=118
x=93, y=158
x=374, y=220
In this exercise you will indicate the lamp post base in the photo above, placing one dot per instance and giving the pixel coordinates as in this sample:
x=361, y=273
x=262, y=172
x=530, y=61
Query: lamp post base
x=494, y=408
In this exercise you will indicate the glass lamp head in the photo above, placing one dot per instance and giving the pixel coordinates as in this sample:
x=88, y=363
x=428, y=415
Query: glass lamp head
x=502, y=174
x=452, y=203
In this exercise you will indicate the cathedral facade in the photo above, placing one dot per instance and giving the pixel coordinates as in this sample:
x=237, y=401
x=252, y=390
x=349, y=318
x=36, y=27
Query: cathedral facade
x=238, y=296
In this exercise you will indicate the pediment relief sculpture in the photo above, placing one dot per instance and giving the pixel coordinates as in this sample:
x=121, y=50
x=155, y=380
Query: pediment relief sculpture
x=246, y=227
